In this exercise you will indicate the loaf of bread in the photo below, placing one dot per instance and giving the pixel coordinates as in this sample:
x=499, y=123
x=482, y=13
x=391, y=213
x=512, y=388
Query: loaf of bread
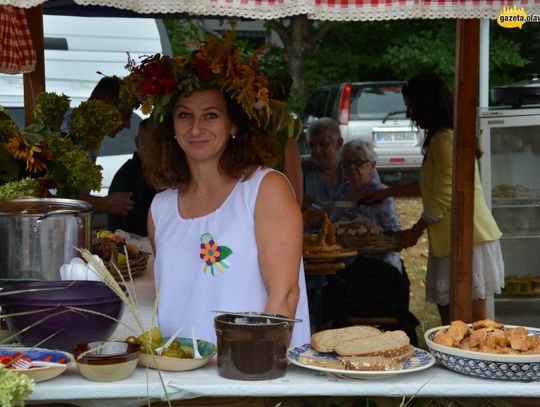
x=377, y=362
x=326, y=341
x=387, y=344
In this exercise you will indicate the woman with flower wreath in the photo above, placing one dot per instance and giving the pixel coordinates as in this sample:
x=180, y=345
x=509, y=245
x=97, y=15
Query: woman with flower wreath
x=226, y=229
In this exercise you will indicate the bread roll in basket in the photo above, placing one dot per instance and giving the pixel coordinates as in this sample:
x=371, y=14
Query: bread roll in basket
x=365, y=236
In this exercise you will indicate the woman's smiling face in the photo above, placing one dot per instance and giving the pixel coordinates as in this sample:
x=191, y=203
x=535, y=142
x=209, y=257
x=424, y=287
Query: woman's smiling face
x=202, y=124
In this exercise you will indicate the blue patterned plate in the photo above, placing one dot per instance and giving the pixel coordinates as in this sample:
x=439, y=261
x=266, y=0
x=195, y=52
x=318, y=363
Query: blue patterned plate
x=421, y=360
x=525, y=368
x=40, y=374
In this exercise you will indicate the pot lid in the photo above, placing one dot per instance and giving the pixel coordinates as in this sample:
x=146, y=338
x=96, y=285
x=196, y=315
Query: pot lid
x=38, y=206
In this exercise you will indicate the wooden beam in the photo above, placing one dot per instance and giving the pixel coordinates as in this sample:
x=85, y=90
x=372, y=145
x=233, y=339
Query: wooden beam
x=34, y=82
x=465, y=122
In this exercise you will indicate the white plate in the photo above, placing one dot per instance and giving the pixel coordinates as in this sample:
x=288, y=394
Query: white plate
x=421, y=360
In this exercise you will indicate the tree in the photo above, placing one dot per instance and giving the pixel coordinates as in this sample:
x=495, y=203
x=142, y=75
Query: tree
x=300, y=36
x=315, y=53
x=179, y=32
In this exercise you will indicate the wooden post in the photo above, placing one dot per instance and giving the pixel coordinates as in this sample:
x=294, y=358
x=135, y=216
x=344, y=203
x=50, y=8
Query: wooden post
x=34, y=82
x=465, y=124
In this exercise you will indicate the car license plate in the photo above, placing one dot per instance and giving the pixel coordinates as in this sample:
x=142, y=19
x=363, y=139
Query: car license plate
x=391, y=137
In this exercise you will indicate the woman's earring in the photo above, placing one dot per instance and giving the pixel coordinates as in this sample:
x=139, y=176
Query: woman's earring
x=233, y=136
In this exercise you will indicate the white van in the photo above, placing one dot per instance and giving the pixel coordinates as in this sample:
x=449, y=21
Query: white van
x=76, y=48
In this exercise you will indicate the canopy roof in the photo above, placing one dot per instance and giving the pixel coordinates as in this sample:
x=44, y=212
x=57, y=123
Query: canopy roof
x=341, y=10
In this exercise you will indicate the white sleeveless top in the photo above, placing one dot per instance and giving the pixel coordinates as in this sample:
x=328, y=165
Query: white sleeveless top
x=211, y=263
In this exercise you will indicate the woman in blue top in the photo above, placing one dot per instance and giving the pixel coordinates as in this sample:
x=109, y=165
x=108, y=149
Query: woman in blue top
x=374, y=284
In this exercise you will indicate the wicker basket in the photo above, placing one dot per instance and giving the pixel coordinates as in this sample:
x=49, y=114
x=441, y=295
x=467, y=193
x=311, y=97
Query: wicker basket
x=107, y=248
x=371, y=243
x=137, y=267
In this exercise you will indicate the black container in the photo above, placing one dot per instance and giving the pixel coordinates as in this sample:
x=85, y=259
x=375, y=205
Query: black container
x=518, y=94
x=251, y=348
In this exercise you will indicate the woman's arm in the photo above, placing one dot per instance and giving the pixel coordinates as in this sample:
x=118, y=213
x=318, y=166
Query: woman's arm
x=278, y=230
x=408, y=189
x=115, y=203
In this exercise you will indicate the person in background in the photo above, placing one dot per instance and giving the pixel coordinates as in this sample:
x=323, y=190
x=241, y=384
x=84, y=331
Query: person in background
x=290, y=163
x=130, y=178
x=288, y=127
x=322, y=172
x=108, y=90
x=376, y=284
x=430, y=104
x=226, y=229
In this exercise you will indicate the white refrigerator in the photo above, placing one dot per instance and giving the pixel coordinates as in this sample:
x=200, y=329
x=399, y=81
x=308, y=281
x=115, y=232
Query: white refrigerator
x=510, y=173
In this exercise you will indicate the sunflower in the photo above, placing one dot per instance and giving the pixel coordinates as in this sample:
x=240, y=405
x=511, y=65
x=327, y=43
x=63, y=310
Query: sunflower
x=36, y=155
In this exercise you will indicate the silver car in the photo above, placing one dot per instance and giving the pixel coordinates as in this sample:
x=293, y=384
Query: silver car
x=372, y=111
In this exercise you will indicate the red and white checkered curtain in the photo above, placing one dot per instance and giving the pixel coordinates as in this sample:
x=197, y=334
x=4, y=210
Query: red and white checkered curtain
x=357, y=10
x=16, y=52
x=352, y=10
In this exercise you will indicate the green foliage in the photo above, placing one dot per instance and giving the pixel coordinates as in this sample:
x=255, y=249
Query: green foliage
x=180, y=32
x=513, y=53
x=91, y=121
x=14, y=388
x=22, y=187
x=7, y=125
x=396, y=50
x=383, y=50
x=73, y=168
x=9, y=169
x=50, y=108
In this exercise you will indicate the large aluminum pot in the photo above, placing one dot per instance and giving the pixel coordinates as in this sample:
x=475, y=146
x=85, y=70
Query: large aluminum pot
x=38, y=235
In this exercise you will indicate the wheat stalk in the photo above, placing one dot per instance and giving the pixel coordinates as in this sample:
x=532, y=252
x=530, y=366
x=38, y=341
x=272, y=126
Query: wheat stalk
x=129, y=300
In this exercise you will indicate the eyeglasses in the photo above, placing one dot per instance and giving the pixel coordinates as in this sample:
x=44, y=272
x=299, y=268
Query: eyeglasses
x=354, y=163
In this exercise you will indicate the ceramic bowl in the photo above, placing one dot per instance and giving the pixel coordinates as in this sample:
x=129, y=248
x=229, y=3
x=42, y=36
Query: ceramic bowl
x=40, y=374
x=525, y=368
x=106, y=361
x=6, y=335
x=41, y=313
x=206, y=349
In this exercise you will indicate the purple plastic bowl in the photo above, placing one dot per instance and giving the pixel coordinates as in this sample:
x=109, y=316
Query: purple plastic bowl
x=66, y=327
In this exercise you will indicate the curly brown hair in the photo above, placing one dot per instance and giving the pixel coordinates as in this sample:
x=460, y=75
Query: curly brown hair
x=165, y=163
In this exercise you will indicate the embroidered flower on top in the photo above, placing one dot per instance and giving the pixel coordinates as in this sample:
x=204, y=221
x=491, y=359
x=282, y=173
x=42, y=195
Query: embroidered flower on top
x=213, y=255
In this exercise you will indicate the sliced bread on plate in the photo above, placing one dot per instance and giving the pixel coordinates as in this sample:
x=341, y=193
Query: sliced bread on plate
x=387, y=344
x=326, y=341
x=376, y=362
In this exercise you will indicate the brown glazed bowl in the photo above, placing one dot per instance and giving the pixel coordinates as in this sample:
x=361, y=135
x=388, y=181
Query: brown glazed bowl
x=251, y=348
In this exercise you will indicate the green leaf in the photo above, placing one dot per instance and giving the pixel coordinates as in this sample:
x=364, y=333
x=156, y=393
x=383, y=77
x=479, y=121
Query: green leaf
x=8, y=165
x=225, y=252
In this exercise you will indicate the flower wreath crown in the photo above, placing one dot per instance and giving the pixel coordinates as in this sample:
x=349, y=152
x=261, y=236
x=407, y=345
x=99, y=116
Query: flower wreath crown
x=215, y=63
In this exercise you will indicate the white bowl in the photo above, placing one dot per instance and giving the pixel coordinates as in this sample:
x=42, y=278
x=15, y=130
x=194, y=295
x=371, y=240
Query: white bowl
x=525, y=368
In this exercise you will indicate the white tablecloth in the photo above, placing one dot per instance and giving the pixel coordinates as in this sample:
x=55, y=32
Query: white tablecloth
x=432, y=382
x=205, y=382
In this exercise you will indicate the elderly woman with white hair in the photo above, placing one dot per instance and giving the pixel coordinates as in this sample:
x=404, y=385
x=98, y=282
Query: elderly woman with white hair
x=375, y=284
